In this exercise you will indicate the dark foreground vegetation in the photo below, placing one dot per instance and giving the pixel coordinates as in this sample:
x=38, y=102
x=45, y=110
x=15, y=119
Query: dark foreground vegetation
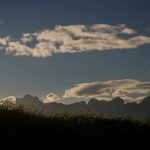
x=28, y=129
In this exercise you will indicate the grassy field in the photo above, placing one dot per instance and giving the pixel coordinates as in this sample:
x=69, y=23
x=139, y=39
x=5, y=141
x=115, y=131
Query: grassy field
x=31, y=129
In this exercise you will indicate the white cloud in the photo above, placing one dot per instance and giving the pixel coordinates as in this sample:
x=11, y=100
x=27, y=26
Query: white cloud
x=11, y=99
x=4, y=41
x=129, y=90
x=74, y=39
x=27, y=37
x=50, y=97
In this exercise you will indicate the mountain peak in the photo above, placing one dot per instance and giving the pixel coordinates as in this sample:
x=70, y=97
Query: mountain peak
x=146, y=100
x=118, y=99
x=93, y=101
x=28, y=100
x=28, y=96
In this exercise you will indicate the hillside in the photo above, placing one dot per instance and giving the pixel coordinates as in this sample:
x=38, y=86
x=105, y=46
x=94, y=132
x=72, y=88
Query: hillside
x=29, y=129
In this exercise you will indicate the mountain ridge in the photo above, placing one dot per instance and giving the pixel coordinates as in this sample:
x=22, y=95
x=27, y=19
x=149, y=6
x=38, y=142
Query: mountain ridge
x=115, y=107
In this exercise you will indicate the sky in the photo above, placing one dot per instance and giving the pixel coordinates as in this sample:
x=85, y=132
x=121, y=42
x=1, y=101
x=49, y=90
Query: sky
x=70, y=48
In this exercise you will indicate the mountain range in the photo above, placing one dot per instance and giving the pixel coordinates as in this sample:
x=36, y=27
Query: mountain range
x=114, y=108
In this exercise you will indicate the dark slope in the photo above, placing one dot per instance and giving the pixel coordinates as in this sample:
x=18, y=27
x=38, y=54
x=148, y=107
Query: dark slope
x=26, y=130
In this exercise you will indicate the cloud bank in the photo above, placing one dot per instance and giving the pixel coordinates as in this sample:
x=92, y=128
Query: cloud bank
x=50, y=97
x=11, y=99
x=128, y=90
x=73, y=39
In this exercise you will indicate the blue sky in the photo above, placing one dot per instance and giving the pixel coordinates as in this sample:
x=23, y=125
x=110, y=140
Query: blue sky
x=20, y=75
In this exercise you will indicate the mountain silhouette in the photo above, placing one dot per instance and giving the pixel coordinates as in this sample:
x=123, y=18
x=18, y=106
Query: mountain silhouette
x=29, y=102
x=116, y=107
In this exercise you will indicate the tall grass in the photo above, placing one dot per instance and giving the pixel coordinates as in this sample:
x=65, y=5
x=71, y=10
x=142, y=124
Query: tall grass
x=20, y=125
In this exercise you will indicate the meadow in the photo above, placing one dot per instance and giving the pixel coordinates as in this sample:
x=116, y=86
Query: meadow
x=32, y=129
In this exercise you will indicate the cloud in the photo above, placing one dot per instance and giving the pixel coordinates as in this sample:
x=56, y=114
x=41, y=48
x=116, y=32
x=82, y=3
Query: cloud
x=127, y=89
x=26, y=38
x=4, y=41
x=50, y=97
x=73, y=39
x=11, y=99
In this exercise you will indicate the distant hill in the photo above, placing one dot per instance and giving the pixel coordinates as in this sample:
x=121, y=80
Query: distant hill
x=116, y=107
